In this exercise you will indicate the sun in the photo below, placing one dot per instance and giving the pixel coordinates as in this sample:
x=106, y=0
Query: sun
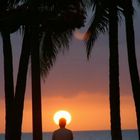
x=62, y=114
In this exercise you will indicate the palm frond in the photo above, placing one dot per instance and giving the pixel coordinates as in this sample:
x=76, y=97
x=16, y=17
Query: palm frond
x=56, y=38
x=138, y=1
x=52, y=44
x=68, y=15
x=87, y=3
x=48, y=54
x=99, y=24
x=4, y=4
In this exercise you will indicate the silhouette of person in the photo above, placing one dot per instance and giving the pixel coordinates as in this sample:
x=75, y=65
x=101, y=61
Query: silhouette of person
x=62, y=133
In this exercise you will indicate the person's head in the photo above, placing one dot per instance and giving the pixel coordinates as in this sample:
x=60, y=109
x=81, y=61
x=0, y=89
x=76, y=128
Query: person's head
x=62, y=123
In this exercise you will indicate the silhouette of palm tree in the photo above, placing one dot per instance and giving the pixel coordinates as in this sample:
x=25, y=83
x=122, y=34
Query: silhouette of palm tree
x=133, y=69
x=114, y=89
x=8, y=70
x=127, y=9
x=100, y=24
x=9, y=92
x=106, y=15
x=37, y=22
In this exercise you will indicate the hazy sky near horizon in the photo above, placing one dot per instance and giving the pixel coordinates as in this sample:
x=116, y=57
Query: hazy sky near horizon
x=79, y=85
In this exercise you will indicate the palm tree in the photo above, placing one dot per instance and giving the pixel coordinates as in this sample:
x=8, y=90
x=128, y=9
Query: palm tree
x=21, y=83
x=8, y=75
x=135, y=82
x=114, y=90
x=8, y=72
x=100, y=24
x=53, y=45
x=24, y=59
x=36, y=85
x=9, y=25
x=106, y=14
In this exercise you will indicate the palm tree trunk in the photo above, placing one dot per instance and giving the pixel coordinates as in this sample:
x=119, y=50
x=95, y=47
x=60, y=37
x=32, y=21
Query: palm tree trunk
x=36, y=86
x=134, y=75
x=9, y=84
x=21, y=85
x=114, y=89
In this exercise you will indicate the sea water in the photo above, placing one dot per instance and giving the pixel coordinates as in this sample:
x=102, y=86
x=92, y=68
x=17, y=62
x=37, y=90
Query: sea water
x=86, y=135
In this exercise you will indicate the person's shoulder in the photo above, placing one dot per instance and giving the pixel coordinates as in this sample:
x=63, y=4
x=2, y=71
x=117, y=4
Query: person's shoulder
x=62, y=130
x=56, y=130
x=68, y=130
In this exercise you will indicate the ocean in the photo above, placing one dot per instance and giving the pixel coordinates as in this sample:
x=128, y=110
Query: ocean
x=86, y=135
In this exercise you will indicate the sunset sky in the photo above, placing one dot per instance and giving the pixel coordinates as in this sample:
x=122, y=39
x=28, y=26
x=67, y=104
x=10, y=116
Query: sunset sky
x=78, y=85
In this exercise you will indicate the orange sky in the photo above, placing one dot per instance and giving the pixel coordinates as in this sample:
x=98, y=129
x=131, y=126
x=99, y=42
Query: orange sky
x=78, y=86
x=89, y=112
